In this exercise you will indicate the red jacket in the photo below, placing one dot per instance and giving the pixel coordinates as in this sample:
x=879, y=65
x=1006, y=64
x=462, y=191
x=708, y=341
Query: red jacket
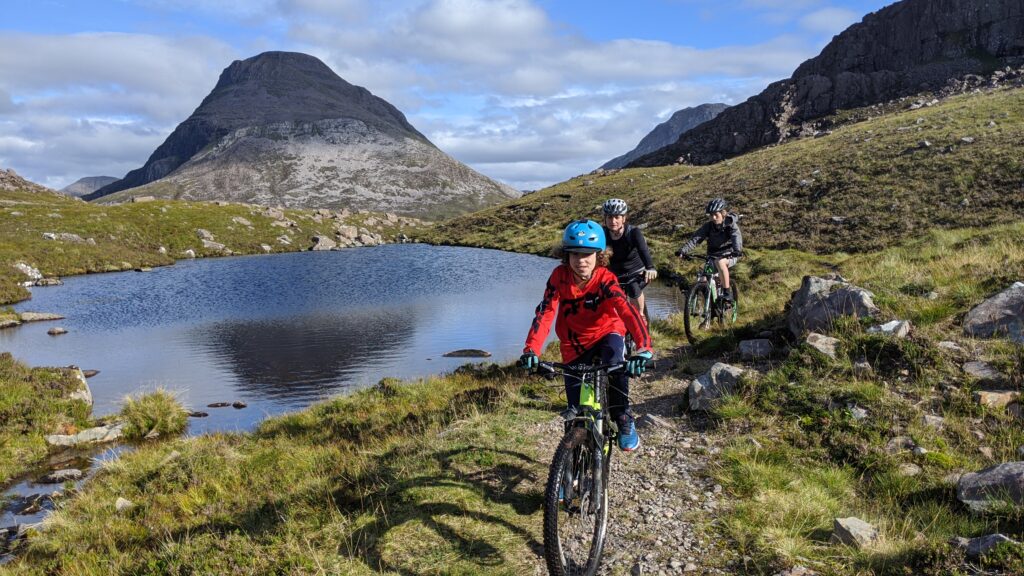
x=585, y=316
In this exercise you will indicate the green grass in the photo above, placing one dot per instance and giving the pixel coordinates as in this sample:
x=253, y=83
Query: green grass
x=368, y=483
x=34, y=403
x=868, y=172
x=157, y=412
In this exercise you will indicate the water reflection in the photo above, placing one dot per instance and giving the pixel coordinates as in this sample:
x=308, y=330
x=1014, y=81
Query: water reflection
x=297, y=360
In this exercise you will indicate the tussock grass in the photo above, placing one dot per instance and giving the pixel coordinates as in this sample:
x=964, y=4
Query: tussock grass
x=157, y=412
x=34, y=403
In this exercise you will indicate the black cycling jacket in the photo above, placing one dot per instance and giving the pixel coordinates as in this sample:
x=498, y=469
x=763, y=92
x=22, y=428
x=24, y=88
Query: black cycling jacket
x=723, y=241
x=629, y=253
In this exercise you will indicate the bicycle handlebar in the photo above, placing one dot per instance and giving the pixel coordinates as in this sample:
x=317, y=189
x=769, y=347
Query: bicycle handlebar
x=554, y=367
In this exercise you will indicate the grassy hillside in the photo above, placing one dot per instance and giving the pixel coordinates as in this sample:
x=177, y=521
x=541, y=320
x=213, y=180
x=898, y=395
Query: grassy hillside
x=129, y=236
x=871, y=182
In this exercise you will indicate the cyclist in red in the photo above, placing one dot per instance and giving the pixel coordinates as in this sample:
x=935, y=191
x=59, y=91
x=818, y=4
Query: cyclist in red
x=593, y=315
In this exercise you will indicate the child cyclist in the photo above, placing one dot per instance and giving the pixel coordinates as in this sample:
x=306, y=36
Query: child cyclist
x=725, y=243
x=593, y=316
x=631, y=260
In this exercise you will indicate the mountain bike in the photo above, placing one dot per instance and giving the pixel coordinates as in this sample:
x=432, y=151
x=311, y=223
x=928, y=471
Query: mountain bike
x=703, y=305
x=576, y=495
x=630, y=343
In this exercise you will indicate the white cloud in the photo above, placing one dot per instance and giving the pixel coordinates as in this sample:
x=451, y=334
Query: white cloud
x=829, y=21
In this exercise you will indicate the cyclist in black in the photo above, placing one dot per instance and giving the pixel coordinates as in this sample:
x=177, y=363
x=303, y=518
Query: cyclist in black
x=631, y=261
x=725, y=243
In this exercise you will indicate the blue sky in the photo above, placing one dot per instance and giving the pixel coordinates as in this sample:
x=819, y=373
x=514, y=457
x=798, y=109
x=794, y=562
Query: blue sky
x=530, y=92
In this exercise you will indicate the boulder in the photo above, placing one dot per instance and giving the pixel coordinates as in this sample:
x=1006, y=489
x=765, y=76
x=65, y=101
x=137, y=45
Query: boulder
x=190, y=253
x=348, y=232
x=755, y=349
x=983, y=372
x=242, y=221
x=204, y=234
x=895, y=328
x=853, y=532
x=862, y=368
x=83, y=393
x=57, y=331
x=1000, y=483
x=1000, y=316
x=717, y=382
x=932, y=421
x=321, y=243
x=211, y=245
x=982, y=545
x=9, y=322
x=996, y=398
x=48, y=282
x=30, y=271
x=123, y=505
x=39, y=316
x=467, y=353
x=819, y=302
x=97, y=435
x=824, y=344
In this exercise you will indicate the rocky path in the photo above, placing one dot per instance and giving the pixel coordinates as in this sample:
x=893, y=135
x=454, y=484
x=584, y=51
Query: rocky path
x=663, y=502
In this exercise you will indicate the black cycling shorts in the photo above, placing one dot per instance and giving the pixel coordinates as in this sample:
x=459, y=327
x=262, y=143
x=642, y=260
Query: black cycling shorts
x=633, y=285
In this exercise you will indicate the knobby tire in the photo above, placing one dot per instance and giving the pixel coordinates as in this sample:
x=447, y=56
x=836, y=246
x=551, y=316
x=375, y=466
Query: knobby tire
x=696, y=303
x=565, y=557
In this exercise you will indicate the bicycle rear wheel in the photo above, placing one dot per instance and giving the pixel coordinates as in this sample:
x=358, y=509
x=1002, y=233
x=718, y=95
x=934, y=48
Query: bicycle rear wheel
x=697, y=311
x=575, y=508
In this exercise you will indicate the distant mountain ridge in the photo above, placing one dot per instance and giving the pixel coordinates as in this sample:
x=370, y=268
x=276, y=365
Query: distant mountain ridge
x=903, y=49
x=87, y=185
x=283, y=128
x=667, y=132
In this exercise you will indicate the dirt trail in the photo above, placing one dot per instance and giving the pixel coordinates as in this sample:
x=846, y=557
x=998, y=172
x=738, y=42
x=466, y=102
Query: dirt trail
x=662, y=502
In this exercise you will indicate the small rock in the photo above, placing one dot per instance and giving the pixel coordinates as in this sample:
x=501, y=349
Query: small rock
x=853, y=532
x=198, y=414
x=90, y=373
x=986, y=451
x=983, y=372
x=190, y=253
x=755, y=349
x=61, y=476
x=862, y=369
x=978, y=547
x=240, y=220
x=951, y=346
x=218, y=405
x=204, y=235
x=996, y=398
x=930, y=420
x=920, y=451
x=652, y=421
x=824, y=344
x=899, y=444
x=123, y=505
x=238, y=405
x=57, y=331
x=151, y=435
x=967, y=140
x=43, y=282
x=895, y=328
x=858, y=413
x=907, y=469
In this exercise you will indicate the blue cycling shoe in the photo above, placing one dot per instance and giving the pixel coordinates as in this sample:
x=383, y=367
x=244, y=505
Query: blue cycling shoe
x=629, y=440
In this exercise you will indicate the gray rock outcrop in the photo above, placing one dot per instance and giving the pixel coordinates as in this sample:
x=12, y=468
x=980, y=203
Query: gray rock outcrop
x=900, y=50
x=717, y=382
x=819, y=302
x=97, y=435
x=1002, y=483
x=1000, y=316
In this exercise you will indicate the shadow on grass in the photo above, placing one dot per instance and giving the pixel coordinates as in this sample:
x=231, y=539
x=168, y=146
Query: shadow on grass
x=504, y=482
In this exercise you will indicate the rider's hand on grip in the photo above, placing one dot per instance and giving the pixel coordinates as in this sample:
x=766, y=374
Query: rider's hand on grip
x=650, y=275
x=528, y=361
x=637, y=363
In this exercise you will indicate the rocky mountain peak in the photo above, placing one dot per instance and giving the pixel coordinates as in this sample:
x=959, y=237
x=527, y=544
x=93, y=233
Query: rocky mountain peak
x=668, y=132
x=903, y=49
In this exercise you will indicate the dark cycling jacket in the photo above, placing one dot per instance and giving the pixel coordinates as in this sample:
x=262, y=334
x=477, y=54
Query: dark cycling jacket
x=584, y=316
x=629, y=253
x=723, y=241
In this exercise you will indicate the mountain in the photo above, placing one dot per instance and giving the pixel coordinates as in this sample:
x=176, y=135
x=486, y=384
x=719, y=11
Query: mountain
x=87, y=185
x=667, y=132
x=903, y=49
x=282, y=128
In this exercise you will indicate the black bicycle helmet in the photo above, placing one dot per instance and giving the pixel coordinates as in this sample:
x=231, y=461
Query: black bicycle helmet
x=716, y=205
x=614, y=207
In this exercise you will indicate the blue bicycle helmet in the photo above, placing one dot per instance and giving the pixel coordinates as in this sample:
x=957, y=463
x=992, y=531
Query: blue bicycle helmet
x=583, y=236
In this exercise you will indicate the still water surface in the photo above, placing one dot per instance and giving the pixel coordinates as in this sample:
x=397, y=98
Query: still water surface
x=280, y=332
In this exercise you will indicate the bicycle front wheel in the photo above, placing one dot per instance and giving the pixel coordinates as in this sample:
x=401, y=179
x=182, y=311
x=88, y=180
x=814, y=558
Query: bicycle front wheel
x=697, y=311
x=575, y=507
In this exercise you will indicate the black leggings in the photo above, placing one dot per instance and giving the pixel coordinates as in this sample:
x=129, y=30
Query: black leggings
x=609, y=350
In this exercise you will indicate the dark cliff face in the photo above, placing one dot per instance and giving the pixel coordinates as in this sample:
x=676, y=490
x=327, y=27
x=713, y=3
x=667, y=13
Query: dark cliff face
x=903, y=49
x=668, y=132
x=265, y=89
